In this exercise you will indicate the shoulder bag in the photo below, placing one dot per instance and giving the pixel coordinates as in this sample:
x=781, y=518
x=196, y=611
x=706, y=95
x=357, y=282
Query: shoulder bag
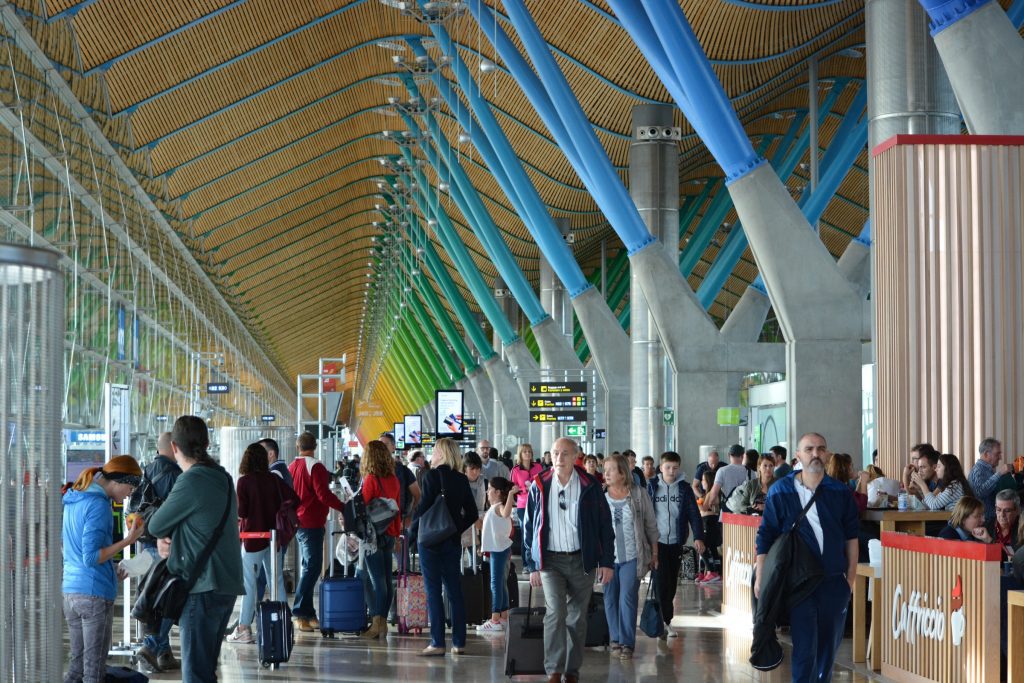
x=436, y=524
x=163, y=593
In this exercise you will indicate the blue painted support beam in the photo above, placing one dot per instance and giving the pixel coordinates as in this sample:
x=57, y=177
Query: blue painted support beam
x=574, y=127
x=736, y=243
x=446, y=163
x=493, y=145
x=430, y=206
x=447, y=285
x=847, y=144
x=709, y=224
x=672, y=50
x=865, y=234
x=1016, y=13
x=789, y=164
x=689, y=212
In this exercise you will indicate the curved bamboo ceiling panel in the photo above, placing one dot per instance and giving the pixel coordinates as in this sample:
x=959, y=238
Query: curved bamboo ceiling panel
x=256, y=126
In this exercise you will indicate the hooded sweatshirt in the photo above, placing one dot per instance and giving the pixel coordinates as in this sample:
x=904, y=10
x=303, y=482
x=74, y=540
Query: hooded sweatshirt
x=88, y=528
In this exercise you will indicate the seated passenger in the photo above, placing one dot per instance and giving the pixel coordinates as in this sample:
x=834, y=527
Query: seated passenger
x=882, y=491
x=916, y=453
x=967, y=523
x=748, y=497
x=952, y=484
x=1006, y=529
x=927, y=469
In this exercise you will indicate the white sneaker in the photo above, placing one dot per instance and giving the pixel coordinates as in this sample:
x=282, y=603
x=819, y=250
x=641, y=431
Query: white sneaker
x=490, y=627
x=671, y=633
x=242, y=636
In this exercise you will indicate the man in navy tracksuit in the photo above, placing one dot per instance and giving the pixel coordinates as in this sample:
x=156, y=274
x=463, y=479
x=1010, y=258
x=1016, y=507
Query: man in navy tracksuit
x=567, y=534
x=830, y=530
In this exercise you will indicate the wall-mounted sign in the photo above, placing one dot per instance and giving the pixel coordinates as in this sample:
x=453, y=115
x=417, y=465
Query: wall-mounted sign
x=469, y=428
x=217, y=387
x=600, y=433
x=668, y=417
x=558, y=401
x=551, y=416
x=268, y=418
x=576, y=431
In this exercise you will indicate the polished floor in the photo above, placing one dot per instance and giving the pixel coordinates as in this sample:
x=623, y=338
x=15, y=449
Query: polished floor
x=709, y=648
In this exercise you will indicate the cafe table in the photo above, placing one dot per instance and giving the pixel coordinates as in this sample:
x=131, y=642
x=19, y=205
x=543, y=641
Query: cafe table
x=907, y=521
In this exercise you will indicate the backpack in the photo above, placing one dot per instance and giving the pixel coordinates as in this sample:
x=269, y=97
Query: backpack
x=144, y=499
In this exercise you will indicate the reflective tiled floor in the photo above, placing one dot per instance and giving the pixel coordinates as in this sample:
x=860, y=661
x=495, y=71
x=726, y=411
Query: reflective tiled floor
x=709, y=648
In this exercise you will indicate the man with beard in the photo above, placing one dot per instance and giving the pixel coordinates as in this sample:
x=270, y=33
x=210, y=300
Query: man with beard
x=829, y=529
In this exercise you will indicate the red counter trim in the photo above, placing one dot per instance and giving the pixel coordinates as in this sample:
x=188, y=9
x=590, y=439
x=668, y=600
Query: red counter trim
x=741, y=520
x=991, y=140
x=966, y=550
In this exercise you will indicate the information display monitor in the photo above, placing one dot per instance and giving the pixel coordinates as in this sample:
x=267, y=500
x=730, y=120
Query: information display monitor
x=413, y=431
x=400, y=436
x=449, y=413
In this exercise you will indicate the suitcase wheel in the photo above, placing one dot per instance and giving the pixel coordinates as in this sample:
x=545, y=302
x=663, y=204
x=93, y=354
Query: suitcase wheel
x=327, y=633
x=265, y=665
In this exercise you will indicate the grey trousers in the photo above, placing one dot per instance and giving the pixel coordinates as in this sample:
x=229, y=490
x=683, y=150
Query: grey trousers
x=90, y=619
x=567, y=592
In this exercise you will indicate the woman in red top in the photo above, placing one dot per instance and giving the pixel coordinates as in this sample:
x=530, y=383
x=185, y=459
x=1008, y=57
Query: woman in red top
x=379, y=481
x=260, y=495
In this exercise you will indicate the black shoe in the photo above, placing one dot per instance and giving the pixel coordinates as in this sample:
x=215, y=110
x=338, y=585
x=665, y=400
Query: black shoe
x=148, y=660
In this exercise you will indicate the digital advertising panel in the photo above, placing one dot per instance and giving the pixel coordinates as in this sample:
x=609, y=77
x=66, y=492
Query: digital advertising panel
x=413, y=430
x=449, y=413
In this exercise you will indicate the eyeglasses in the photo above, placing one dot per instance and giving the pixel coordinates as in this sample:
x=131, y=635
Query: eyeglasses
x=561, y=500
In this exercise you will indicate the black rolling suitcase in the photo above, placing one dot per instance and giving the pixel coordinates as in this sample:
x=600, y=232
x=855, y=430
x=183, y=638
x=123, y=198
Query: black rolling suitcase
x=476, y=589
x=276, y=635
x=597, y=622
x=524, y=642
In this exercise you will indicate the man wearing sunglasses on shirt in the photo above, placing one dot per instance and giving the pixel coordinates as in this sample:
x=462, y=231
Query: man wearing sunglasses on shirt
x=567, y=535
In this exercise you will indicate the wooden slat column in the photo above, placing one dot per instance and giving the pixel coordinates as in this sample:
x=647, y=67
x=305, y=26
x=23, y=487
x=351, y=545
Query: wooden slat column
x=739, y=555
x=949, y=294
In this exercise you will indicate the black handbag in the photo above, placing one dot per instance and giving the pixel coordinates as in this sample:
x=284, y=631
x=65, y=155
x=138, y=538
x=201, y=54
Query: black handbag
x=162, y=593
x=436, y=524
x=651, y=622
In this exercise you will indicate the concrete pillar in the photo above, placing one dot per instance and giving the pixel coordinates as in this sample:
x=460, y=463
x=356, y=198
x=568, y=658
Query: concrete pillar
x=984, y=56
x=654, y=187
x=554, y=336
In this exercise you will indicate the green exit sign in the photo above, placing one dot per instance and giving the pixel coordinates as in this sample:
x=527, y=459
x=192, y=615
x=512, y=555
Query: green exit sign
x=578, y=431
x=728, y=417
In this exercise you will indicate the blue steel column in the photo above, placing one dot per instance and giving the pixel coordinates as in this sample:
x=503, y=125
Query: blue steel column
x=819, y=310
x=984, y=57
x=596, y=319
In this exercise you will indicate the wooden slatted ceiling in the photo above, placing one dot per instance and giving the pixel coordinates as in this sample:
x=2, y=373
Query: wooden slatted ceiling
x=263, y=204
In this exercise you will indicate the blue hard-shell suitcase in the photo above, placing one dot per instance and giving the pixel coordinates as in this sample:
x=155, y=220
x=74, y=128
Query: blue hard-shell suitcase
x=342, y=605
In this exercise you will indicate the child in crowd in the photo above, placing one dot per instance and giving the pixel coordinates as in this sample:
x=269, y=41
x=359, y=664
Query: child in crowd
x=497, y=543
x=676, y=510
x=712, y=534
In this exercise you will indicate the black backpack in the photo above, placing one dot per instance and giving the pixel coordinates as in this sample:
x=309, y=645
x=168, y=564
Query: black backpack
x=144, y=499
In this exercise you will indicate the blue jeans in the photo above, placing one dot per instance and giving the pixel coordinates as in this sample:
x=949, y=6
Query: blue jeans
x=440, y=564
x=377, y=586
x=499, y=574
x=620, y=601
x=90, y=619
x=822, y=617
x=202, y=626
x=311, y=550
x=160, y=642
x=252, y=564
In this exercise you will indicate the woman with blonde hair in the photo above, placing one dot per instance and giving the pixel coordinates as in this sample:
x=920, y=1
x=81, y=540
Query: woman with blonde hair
x=89, y=585
x=377, y=470
x=636, y=551
x=440, y=560
x=525, y=471
x=967, y=523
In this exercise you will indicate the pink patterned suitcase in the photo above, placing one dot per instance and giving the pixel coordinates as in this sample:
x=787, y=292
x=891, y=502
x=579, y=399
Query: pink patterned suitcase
x=411, y=596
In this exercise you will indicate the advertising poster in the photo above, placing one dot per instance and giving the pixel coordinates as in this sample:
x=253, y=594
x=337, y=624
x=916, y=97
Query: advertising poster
x=413, y=430
x=449, y=414
x=400, y=436
x=117, y=419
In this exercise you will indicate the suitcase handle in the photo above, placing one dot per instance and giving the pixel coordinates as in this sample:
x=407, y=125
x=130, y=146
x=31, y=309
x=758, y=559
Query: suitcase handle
x=272, y=537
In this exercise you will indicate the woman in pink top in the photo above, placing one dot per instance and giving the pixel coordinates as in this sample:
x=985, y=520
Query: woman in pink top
x=522, y=474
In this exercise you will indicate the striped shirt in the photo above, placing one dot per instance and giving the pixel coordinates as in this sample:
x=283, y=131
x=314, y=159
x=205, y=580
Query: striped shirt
x=563, y=514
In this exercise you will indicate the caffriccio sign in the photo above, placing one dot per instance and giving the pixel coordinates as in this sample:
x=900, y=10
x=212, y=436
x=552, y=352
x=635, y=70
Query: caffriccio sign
x=918, y=616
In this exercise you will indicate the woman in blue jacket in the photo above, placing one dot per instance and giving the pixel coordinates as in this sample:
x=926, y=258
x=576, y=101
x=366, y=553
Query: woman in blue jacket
x=89, y=584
